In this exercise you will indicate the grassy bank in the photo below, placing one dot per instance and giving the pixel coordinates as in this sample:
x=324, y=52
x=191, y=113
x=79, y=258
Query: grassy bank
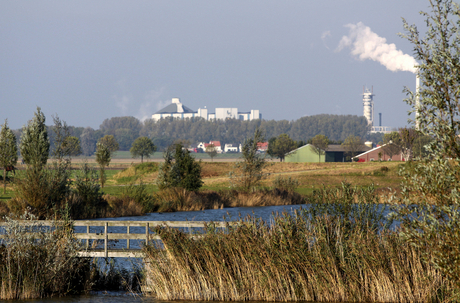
x=338, y=251
x=131, y=189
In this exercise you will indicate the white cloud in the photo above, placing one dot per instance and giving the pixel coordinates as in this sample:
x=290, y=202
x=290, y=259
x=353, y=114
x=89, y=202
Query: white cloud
x=324, y=36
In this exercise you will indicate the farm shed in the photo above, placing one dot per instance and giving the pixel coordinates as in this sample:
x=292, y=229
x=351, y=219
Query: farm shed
x=373, y=155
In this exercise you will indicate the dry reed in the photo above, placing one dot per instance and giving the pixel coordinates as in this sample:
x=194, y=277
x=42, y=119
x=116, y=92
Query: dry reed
x=37, y=262
x=290, y=260
x=179, y=199
x=334, y=251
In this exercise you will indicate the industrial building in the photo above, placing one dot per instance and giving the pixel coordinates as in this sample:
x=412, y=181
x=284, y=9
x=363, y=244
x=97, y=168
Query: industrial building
x=177, y=110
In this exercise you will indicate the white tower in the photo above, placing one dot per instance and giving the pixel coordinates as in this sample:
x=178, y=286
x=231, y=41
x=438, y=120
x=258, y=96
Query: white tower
x=368, y=104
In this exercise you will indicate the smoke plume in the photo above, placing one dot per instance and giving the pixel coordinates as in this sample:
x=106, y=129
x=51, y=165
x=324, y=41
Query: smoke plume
x=368, y=45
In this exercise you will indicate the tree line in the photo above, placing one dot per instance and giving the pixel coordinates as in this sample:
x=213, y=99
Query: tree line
x=167, y=131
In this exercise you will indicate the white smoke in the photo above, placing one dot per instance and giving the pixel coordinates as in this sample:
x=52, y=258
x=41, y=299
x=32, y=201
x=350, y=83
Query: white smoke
x=368, y=45
x=152, y=103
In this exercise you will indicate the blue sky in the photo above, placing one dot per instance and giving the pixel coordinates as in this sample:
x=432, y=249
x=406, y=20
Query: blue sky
x=91, y=60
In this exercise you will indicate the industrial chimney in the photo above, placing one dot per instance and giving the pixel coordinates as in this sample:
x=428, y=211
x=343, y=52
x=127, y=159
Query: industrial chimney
x=368, y=105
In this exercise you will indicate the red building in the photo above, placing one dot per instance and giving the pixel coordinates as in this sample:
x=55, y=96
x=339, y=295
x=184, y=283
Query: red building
x=373, y=155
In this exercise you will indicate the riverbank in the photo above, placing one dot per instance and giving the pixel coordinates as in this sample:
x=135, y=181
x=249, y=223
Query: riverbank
x=130, y=190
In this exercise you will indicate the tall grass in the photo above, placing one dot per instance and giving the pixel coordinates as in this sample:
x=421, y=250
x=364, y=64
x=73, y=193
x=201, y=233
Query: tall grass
x=36, y=262
x=316, y=254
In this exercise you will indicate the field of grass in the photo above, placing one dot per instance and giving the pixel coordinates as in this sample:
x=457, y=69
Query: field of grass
x=310, y=175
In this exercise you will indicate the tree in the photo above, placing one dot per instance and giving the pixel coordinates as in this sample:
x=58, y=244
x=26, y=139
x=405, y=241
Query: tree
x=35, y=146
x=8, y=150
x=72, y=147
x=280, y=146
x=180, y=169
x=211, y=151
x=248, y=173
x=391, y=144
x=352, y=145
x=419, y=148
x=109, y=142
x=103, y=158
x=88, y=141
x=142, y=147
x=407, y=139
x=429, y=205
x=319, y=145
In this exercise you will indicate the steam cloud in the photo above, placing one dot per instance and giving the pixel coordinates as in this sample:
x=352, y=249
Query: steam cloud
x=368, y=45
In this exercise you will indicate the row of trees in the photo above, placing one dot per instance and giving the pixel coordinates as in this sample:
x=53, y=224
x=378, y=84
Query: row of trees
x=167, y=131
x=35, y=146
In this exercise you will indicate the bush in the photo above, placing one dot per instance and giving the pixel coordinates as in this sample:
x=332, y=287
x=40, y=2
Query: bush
x=288, y=184
x=86, y=201
x=41, y=190
x=138, y=193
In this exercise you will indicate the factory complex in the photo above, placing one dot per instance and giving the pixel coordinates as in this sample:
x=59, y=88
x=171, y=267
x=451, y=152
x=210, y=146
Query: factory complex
x=177, y=110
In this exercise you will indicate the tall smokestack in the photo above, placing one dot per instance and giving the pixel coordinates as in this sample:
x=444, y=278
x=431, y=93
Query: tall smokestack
x=366, y=44
x=368, y=106
x=380, y=119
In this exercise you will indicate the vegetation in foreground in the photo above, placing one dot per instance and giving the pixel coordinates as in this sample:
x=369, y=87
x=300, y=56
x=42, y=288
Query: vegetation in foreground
x=36, y=262
x=342, y=250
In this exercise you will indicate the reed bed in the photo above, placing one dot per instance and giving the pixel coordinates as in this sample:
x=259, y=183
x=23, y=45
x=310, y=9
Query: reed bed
x=179, y=199
x=331, y=252
x=37, y=262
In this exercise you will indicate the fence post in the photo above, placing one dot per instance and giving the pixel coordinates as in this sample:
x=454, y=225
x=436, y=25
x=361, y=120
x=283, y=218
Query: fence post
x=106, y=240
x=87, y=233
x=147, y=236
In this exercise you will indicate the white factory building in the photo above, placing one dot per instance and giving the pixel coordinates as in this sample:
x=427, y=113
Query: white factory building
x=177, y=110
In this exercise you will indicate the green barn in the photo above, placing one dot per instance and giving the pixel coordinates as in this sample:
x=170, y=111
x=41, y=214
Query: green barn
x=334, y=153
x=304, y=154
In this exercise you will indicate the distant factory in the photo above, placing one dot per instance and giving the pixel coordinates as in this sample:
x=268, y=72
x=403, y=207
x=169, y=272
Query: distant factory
x=177, y=110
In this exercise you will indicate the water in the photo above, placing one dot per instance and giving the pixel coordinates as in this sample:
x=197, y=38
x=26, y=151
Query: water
x=228, y=214
x=266, y=213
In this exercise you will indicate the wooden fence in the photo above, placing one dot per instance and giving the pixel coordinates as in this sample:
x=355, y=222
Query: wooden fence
x=106, y=236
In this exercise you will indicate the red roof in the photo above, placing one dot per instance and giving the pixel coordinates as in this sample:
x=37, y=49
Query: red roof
x=215, y=143
x=262, y=145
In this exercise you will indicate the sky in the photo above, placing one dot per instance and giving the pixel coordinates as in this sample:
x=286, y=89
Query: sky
x=86, y=61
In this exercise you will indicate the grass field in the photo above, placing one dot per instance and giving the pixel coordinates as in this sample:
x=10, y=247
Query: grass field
x=215, y=174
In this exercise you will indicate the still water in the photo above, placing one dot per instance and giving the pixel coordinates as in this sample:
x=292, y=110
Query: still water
x=228, y=214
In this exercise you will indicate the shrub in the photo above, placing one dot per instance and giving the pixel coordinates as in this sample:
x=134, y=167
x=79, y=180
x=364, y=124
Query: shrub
x=288, y=184
x=138, y=193
x=87, y=201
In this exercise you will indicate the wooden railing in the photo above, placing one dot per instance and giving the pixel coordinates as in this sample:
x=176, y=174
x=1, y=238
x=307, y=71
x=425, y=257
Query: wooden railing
x=92, y=250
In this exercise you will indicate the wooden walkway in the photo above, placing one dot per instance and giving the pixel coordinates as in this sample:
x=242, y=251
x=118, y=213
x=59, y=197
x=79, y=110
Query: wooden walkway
x=92, y=239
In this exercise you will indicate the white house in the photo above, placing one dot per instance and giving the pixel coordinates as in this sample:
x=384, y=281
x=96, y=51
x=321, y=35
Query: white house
x=230, y=148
